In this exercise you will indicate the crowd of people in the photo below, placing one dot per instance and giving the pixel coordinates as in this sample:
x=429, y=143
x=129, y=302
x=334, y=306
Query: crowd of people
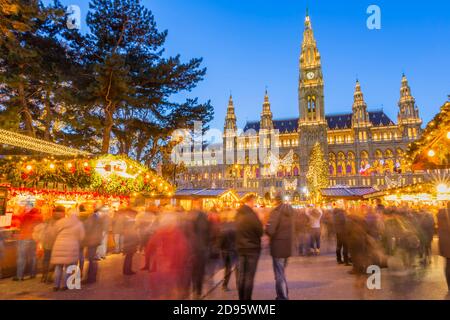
x=181, y=249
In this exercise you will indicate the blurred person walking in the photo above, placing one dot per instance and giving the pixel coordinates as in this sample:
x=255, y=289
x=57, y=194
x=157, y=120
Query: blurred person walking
x=339, y=217
x=26, y=246
x=200, y=239
x=93, y=227
x=444, y=238
x=2, y=250
x=44, y=234
x=280, y=229
x=117, y=230
x=170, y=266
x=227, y=245
x=130, y=241
x=249, y=231
x=315, y=216
x=69, y=233
x=302, y=232
x=105, y=219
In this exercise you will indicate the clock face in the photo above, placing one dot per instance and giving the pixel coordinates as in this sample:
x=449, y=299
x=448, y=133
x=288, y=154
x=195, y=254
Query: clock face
x=310, y=75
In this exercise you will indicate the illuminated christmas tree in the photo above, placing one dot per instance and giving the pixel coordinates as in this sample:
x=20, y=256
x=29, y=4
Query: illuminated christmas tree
x=317, y=175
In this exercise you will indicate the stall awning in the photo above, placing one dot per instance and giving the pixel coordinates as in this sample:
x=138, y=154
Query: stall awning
x=200, y=193
x=350, y=193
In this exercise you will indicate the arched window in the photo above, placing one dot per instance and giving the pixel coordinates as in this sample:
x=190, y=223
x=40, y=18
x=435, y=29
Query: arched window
x=296, y=171
x=341, y=164
x=350, y=163
x=332, y=163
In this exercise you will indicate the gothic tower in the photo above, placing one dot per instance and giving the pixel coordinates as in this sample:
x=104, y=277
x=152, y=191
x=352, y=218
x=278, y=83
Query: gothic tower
x=230, y=119
x=266, y=114
x=408, y=115
x=360, y=116
x=312, y=123
x=230, y=134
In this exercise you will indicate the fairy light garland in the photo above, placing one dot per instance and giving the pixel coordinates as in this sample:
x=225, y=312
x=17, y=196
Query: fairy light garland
x=22, y=141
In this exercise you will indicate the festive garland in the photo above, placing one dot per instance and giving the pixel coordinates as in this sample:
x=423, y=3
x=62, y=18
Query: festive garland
x=112, y=175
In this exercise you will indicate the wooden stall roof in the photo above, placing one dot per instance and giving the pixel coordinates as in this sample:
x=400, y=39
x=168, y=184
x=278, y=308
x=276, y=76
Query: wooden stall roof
x=423, y=187
x=201, y=193
x=350, y=193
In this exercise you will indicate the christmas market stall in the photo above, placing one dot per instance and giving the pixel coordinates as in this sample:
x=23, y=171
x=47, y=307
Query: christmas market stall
x=345, y=194
x=429, y=155
x=206, y=198
x=39, y=175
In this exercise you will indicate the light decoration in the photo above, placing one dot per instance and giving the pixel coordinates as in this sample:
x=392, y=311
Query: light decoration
x=317, y=175
x=22, y=141
x=275, y=162
x=108, y=174
x=431, y=153
x=290, y=185
x=107, y=167
x=448, y=135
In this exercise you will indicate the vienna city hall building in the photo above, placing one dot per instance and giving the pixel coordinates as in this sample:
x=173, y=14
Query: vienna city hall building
x=362, y=147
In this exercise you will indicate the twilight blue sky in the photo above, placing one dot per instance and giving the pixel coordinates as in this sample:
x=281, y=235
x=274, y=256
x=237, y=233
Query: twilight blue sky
x=248, y=44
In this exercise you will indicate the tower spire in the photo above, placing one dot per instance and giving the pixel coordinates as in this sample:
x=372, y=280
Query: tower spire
x=266, y=115
x=360, y=117
x=230, y=119
x=407, y=104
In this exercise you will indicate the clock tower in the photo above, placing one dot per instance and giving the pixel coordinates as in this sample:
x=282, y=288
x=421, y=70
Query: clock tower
x=312, y=122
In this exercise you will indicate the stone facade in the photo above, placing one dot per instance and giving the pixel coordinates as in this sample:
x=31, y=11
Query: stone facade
x=363, y=148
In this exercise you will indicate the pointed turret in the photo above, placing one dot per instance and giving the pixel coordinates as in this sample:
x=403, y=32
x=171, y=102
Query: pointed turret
x=266, y=114
x=407, y=104
x=230, y=119
x=360, y=117
x=408, y=114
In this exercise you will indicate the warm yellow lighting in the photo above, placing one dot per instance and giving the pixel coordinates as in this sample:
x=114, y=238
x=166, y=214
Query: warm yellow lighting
x=448, y=135
x=442, y=188
x=431, y=153
x=85, y=164
x=52, y=166
x=29, y=167
x=147, y=176
x=69, y=165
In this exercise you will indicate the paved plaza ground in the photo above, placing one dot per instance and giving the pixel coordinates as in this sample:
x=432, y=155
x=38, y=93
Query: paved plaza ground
x=309, y=278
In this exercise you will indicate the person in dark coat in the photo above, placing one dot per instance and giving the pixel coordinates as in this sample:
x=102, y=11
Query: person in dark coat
x=227, y=245
x=339, y=218
x=130, y=240
x=427, y=229
x=201, y=236
x=280, y=229
x=249, y=231
x=443, y=218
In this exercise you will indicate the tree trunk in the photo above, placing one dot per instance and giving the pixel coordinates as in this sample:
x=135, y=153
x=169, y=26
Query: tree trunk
x=27, y=118
x=107, y=130
x=48, y=116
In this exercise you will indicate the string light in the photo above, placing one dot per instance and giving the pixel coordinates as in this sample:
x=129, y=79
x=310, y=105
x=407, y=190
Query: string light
x=22, y=141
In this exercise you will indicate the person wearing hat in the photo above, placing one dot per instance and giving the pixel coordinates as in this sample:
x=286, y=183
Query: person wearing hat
x=280, y=229
x=249, y=231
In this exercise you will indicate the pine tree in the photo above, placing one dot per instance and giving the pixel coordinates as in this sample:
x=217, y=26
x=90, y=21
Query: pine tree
x=317, y=175
x=127, y=91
